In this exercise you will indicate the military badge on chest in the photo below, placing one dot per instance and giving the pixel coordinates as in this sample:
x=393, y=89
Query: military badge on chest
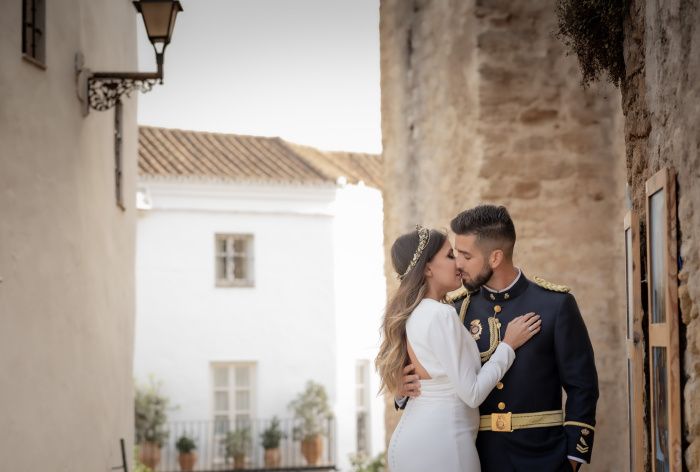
x=475, y=328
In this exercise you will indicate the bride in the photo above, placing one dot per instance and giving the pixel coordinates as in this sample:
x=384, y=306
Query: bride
x=437, y=431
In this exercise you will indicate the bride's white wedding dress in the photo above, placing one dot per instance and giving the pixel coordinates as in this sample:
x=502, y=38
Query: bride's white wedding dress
x=437, y=431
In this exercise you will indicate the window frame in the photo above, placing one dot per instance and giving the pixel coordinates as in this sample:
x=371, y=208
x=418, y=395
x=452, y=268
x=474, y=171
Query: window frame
x=635, y=342
x=665, y=334
x=249, y=281
x=363, y=388
x=231, y=388
x=34, y=49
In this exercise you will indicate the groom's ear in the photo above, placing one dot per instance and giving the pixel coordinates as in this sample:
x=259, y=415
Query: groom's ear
x=496, y=258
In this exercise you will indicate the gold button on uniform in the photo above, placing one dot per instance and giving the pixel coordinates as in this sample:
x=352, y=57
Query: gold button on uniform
x=497, y=308
x=501, y=406
x=499, y=385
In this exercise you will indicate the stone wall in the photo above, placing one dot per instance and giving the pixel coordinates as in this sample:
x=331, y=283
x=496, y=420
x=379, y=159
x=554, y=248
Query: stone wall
x=660, y=97
x=481, y=104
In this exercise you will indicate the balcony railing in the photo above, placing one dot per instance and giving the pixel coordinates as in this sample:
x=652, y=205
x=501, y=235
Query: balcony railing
x=209, y=437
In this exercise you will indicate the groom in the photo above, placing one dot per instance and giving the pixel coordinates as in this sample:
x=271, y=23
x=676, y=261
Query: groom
x=523, y=427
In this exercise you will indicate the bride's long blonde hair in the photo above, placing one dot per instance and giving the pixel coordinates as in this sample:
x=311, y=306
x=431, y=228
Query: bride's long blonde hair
x=393, y=351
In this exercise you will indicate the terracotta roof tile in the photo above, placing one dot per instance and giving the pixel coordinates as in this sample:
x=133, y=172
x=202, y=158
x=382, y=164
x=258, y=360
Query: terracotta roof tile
x=354, y=166
x=167, y=152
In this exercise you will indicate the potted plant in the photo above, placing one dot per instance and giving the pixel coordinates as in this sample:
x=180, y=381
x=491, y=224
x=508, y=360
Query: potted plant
x=311, y=412
x=187, y=457
x=271, y=437
x=237, y=444
x=360, y=462
x=150, y=419
x=138, y=465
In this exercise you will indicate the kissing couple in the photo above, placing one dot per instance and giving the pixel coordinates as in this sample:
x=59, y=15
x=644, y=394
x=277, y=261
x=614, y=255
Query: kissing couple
x=477, y=355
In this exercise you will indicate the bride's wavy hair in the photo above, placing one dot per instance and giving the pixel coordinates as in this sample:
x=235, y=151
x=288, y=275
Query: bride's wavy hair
x=393, y=351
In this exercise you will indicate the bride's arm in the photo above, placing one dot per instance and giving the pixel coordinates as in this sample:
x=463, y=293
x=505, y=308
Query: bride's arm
x=459, y=355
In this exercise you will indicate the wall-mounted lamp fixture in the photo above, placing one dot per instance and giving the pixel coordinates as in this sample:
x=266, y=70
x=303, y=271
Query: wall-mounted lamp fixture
x=101, y=90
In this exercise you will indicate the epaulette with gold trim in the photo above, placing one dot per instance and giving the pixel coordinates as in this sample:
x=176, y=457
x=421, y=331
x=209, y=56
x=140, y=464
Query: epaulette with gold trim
x=457, y=295
x=550, y=286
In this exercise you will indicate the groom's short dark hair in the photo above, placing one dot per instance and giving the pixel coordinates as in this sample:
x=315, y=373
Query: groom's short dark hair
x=490, y=223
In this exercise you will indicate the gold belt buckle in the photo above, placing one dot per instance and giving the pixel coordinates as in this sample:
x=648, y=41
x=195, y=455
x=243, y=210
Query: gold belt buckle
x=502, y=422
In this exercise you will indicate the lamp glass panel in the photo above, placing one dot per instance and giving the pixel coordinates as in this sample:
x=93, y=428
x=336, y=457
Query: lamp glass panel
x=173, y=14
x=157, y=17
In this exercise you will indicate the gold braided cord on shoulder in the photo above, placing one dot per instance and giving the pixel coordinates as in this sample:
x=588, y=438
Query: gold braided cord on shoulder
x=494, y=339
x=465, y=305
x=550, y=286
x=494, y=331
x=457, y=294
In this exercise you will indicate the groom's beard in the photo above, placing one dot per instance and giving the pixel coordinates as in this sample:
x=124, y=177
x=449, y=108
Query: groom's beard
x=480, y=279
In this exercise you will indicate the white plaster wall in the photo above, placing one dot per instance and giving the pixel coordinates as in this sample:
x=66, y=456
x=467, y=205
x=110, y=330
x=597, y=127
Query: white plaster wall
x=314, y=311
x=285, y=323
x=66, y=249
x=360, y=298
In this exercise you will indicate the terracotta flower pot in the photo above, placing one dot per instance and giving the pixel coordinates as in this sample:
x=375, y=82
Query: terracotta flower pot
x=273, y=458
x=187, y=461
x=149, y=454
x=239, y=461
x=312, y=448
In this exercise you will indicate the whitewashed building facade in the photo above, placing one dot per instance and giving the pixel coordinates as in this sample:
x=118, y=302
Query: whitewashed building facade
x=260, y=267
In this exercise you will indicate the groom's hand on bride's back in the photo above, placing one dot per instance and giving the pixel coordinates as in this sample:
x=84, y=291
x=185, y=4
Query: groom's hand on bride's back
x=410, y=386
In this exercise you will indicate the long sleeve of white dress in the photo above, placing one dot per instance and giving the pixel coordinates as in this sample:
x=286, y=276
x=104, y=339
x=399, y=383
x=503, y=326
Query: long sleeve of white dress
x=454, y=353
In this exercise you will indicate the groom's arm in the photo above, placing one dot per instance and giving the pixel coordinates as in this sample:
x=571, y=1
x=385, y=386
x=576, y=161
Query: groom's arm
x=409, y=388
x=576, y=364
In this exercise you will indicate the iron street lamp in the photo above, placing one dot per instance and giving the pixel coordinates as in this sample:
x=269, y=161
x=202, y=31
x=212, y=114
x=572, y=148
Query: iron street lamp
x=159, y=18
x=104, y=89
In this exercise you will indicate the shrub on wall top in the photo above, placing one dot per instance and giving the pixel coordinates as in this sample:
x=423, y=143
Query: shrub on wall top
x=593, y=31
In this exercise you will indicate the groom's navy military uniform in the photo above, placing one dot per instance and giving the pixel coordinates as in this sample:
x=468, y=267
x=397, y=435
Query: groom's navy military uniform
x=523, y=427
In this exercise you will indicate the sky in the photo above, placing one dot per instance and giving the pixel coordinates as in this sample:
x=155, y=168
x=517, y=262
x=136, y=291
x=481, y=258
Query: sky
x=304, y=70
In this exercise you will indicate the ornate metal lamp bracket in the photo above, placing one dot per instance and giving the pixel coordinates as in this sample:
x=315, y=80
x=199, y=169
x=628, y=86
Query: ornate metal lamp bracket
x=103, y=93
x=102, y=90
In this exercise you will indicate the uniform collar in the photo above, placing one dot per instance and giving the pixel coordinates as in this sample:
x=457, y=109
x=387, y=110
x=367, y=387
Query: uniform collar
x=516, y=288
x=515, y=281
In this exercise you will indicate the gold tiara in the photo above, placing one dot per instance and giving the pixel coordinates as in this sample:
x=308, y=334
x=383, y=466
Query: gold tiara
x=423, y=238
